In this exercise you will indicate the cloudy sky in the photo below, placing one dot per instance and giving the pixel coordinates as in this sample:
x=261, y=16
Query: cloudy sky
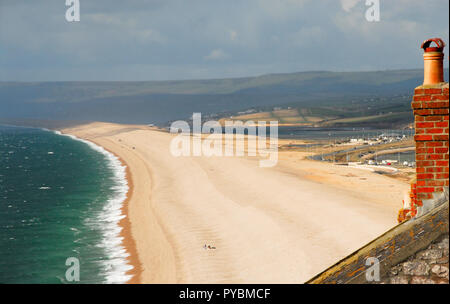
x=191, y=39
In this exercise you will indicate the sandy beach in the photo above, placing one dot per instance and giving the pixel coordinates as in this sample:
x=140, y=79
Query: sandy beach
x=282, y=224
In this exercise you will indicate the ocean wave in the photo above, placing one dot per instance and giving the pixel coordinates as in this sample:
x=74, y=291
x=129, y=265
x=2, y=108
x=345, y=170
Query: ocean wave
x=116, y=266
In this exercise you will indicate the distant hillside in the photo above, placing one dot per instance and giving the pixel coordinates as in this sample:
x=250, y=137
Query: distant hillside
x=162, y=101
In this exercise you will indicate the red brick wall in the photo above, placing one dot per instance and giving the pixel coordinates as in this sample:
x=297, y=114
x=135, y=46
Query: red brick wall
x=431, y=113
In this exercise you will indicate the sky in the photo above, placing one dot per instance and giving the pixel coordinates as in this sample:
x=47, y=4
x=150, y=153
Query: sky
x=138, y=40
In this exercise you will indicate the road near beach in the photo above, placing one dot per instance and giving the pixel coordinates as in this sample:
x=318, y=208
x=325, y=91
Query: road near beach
x=268, y=225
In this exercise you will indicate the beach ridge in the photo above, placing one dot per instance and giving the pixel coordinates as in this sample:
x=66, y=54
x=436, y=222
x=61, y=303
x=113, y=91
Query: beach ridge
x=266, y=225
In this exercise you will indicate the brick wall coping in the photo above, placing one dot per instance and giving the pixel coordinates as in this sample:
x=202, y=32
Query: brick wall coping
x=441, y=85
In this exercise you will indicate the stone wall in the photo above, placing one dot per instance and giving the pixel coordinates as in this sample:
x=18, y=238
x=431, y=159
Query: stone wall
x=429, y=266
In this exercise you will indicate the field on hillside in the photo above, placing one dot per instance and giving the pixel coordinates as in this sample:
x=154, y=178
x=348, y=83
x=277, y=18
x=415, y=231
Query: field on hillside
x=283, y=116
x=330, y=98
x=329, y=117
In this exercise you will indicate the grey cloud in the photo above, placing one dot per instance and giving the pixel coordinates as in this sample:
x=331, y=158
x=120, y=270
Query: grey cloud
x=180, y=39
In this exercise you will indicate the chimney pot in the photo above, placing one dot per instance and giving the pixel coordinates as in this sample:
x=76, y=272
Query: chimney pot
x=433, y=61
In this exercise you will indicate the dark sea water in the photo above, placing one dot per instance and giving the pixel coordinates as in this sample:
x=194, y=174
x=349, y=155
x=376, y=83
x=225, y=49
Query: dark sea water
x=59, y=198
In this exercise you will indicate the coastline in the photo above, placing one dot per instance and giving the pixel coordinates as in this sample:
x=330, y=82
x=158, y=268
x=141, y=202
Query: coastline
x=297, y=211
x=128, y=241
x=121, y=259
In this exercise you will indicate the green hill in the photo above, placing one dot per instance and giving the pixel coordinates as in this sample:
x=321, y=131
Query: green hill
x=348, y=93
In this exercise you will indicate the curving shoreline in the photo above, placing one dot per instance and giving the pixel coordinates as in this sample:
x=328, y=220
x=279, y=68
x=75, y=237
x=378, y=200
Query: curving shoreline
x=278, y=225
x=146, y=242
x=127, y=240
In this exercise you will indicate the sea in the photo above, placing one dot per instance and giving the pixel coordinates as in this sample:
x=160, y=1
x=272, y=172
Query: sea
x=60, y=202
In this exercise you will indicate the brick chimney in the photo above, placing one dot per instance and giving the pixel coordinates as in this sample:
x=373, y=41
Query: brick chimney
x=431, y=114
